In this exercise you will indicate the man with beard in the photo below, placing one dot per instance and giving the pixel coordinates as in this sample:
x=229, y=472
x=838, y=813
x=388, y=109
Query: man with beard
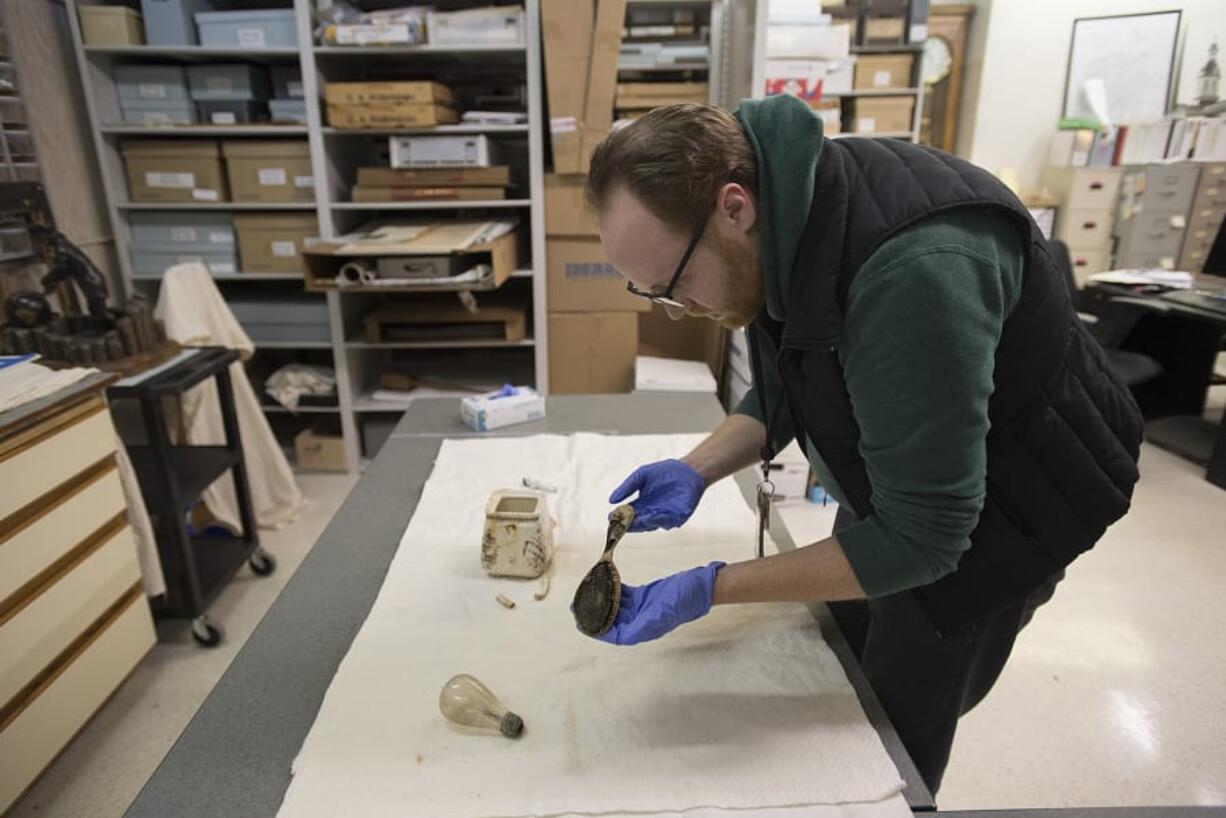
x=909, y=328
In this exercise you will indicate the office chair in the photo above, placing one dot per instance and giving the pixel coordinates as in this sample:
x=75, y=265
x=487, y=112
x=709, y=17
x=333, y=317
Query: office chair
x=1109, y=324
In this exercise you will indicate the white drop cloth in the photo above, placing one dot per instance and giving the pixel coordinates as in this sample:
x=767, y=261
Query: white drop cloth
x=745, y=709
x=195, y=314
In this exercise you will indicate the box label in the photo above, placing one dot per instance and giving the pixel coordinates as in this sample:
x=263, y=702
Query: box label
x=205, y=194
x=271, y=176
x=178, y=180
x=156, y=118
x=216, y=83
x=248, y=37
x=866, y=124
x=151, y=90
x=563, y=124
x=304, y=181
x=182, y=234
x=284, y=249
x=221, y=237
x=294, y=88
x=224, y=118
x=224, y=267
x=881, y=79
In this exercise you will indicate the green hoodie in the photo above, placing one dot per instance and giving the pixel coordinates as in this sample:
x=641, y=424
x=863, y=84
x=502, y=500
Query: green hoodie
x=924, y=316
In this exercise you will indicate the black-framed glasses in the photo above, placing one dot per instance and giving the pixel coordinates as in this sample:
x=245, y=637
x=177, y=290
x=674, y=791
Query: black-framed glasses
x=666, y=297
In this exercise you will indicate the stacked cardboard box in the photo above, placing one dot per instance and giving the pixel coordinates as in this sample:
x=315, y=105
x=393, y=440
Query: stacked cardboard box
x=582, y=42
x=384, y=184
x=637, y=98
x=389, y=104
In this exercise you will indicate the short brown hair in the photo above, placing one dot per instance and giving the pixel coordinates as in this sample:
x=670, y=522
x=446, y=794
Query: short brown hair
x=674, y=160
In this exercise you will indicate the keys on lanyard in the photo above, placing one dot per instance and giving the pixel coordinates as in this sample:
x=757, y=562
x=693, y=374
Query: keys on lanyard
x=765, y=489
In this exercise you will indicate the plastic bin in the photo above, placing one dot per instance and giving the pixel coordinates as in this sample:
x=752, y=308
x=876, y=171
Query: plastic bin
x=155, y=259
x=227, y=81
x=182, y=228
x=232, y=111
x=282, y=318
x=157, y=112
x=169, y=22
x=287, y=110
x=495, y=25
x=287, y=82
x=263, y=28
x=151, y=82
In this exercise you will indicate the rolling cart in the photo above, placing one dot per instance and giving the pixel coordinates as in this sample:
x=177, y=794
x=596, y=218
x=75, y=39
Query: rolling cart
x=172, y=478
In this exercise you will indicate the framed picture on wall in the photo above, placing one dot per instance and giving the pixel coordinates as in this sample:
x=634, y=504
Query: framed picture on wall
x=1127, y=61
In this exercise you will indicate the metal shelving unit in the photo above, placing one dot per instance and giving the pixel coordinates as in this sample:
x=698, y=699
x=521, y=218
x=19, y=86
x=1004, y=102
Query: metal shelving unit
x=331, y=151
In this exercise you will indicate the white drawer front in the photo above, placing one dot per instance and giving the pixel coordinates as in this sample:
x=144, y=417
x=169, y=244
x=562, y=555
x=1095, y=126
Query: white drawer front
x=33, y=472
x=45, y=627
x=31, y=549
x=1093, y=189
x=1086, y=264
x=31, y=740
x=1085, y=229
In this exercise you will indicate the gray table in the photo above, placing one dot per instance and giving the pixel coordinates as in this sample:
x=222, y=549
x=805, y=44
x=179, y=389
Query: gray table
x=234, y=756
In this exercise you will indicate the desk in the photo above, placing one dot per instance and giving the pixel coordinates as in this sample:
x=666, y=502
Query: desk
x=234, y=757
x=1186, y=341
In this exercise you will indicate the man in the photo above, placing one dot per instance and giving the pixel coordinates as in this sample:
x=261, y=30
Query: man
x=910, y=329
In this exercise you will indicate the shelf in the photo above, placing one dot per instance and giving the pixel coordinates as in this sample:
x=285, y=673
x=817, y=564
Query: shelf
x=301, y=410
x=436, y=52
x=291, y=344
x=880, y=135
x=229, y=277
x=195, y=468
x=661, y=69
x=460, y=204
x=877, y=92
x=442, y=130
x=204, y=130
x=215, y=205
x=191, y=53
x=887, y=49
x=367, y=404
x=491, y=343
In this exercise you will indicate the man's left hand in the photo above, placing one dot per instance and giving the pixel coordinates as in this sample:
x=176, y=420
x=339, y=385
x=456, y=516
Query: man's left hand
x=649, y=611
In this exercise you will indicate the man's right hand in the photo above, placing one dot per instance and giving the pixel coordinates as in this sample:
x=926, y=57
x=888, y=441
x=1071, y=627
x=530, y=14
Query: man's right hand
x=668, y=493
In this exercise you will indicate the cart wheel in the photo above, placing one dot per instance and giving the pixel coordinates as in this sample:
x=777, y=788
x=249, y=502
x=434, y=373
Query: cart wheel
x=262, y=562
x=207, y=632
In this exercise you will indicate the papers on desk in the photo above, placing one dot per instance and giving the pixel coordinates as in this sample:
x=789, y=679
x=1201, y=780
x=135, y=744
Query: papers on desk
x=1174, y=279
x=24, y=381
x=670, y=375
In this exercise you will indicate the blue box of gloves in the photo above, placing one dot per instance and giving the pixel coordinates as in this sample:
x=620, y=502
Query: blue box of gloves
x=503, y=407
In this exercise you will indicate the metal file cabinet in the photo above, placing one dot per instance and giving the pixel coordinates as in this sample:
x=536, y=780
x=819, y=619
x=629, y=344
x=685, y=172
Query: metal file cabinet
x=1152, y=218
x=1205, y=218
x=1087, y=209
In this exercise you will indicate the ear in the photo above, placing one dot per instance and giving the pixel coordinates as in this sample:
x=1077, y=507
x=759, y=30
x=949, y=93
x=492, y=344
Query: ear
x=735, y=206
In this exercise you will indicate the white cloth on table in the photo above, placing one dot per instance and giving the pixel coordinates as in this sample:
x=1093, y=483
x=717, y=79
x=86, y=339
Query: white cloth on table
x=195, y=314
x=745, y=709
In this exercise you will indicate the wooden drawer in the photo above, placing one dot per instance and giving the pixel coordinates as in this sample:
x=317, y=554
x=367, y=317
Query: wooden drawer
x=1085, y=229
x=33, y=733
x=45, y=462
x=1087, y=263
x=1084, y=188
x=38, y=541
x=35, y=634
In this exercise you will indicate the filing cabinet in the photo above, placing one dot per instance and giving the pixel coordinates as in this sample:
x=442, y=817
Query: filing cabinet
x=1152, y=219
x=1205, y=218
x=1087, y=211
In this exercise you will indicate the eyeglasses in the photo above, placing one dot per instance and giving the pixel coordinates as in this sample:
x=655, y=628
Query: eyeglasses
x=666, y=297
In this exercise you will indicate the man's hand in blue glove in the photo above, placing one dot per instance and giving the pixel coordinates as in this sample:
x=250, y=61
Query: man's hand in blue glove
x=650, y=611
x=669, y=492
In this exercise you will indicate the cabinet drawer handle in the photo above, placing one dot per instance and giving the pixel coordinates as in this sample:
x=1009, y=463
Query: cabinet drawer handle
x=1096, y=185
x=1089, y=225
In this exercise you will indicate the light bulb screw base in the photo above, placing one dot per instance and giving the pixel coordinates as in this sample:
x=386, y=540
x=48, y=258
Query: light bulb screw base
x=512, y=725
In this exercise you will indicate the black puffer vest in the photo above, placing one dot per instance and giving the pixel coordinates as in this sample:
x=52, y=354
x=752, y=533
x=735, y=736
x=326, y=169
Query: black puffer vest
x=1065, y=432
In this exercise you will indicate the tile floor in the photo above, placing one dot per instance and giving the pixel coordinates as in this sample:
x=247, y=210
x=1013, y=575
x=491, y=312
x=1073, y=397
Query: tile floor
x=1112, y=697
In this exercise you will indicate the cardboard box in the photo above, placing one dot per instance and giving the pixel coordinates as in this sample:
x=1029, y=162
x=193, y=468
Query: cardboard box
x=602, y=68
x=566, y=29
x=592, y=352
x=690, y=339
x=666, y=91
x=882, y=114
x=808, y=42
x=367, y=193
x=884, y=30
x=493, y=410
x=878, y=71
x=110, y=25
x=831, y=112
x=320, y=450
x=566, y=212
x=470, y=151
x=174, y=170
x=390, y=115
x=362, y=93
x=580, y=279
x=269, y=170
x=435, y=177
x=273, y=242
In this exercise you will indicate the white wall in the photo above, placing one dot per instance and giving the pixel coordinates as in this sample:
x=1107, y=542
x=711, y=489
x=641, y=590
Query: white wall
x=1020, y=93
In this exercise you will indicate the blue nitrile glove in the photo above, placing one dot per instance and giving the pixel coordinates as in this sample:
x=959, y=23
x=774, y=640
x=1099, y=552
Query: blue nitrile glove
x=650, y=611
x=669, y=492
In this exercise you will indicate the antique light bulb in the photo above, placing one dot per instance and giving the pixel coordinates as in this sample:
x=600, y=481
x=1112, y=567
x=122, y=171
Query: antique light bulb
x=467, y=702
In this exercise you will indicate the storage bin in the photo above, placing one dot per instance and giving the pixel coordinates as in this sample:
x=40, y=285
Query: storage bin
x=232, y=111
x=287, y=82
x=287, y=110
x=157, y=112
x=169, y=22
x=182, y=228
x=174, y=170
x=151, y=82
x=228, y=81
x=261, y=28
x=273, y=242
x=441, y=151
x=269, y=170
x=502, y=25
x=156, y=259
x=110, y=25
x=282, y=318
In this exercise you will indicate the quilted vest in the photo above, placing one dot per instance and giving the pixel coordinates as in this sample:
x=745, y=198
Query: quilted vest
x=1065, y=431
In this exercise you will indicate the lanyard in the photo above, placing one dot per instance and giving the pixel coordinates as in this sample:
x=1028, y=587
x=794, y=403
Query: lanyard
x=765, y=487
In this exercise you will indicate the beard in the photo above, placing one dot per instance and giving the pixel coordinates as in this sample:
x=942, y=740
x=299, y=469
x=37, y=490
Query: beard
x=740, y=280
